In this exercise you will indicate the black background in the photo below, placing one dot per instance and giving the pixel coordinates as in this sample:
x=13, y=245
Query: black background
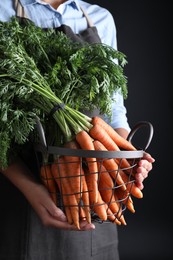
x=144, y=32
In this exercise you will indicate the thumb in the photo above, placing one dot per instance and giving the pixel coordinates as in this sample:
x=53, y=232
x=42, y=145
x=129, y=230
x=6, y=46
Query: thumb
x=59, y=215
x=56, y=212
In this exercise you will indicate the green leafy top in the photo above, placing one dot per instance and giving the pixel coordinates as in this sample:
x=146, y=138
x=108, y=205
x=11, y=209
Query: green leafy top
x=42, y=68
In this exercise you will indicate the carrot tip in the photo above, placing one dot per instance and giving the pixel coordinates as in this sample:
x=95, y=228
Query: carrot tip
x=116, y=221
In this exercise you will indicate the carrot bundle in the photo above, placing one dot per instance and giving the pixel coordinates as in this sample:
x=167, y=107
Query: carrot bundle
x=94, y=184
x=60, y=173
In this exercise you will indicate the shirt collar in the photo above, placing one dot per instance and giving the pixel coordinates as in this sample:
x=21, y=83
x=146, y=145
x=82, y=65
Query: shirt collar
x=73, y=3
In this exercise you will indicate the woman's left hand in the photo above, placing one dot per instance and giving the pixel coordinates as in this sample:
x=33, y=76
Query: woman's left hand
x=143, y=169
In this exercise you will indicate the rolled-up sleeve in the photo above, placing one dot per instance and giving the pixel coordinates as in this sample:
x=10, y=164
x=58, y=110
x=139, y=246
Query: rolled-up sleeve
x=119, y=113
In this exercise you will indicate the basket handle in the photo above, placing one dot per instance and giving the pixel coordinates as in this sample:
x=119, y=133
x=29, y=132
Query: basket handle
x=41, y=132
x=41, y=146
x=139, y=125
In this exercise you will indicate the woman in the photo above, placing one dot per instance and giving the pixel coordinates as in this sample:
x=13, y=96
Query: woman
x=48, y=235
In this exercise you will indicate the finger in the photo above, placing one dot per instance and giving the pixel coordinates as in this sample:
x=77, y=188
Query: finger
x=139, y=177
x=141, y=171
x=139, y=180
x=58, y=214
x=65, y=225
x=140, y=185
x=148, y=157
x=84, y=225
x=145, y=164
x=54, y=211
x=57, y=219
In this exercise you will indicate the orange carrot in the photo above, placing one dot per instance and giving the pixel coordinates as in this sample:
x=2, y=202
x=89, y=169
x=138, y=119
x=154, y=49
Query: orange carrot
x=99, y=206
x=99, y=133
x=86, y=143
x=125, y=198
x=60, y=174
x=48, y=181
x=106, y=188
x=112, y=217
x=104, y=176
x=100, y=209
x=131, y=186
x=82, y=214
x=106, y=185
x=67, y=209
x=110, y=165
x=74, y=171
x=107, y=193
x=118, y=139
x=119, y=214
x=77, y=181
x=85, y=199
x=56, y=168
x=55, y=172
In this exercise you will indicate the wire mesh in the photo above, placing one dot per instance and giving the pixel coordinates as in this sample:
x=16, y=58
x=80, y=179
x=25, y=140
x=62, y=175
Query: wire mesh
x=71, y=183
x=101, y=195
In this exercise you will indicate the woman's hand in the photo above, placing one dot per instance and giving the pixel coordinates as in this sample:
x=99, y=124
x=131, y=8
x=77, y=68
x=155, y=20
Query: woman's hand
x=49, y=214
x=39, y=198
x=143, y=169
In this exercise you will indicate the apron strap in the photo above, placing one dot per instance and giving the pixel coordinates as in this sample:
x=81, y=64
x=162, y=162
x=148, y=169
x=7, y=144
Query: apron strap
x=89, y=21
x=21, y=12
x=19, y=9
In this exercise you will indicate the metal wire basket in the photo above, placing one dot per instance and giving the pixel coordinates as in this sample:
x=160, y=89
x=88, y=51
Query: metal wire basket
x=114, y=197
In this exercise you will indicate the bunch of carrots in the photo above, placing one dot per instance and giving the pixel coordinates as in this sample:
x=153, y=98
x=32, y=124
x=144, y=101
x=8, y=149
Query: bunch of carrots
x=86, y=185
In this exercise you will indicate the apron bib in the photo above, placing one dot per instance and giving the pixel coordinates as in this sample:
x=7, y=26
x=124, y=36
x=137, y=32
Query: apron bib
x=44, y=243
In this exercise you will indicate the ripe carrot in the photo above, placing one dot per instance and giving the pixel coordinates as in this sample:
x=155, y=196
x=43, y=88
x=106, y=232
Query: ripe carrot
x=131, y=186
x=100, y=209
x=99, y=133
x=78, y=182
x=74, y=171
x=55, y=172
x=99, y=206
x=107, y=195
x=86, y=143
x=120, y=215
x=82, y=215
x=49, y=182
x=106, y=181
x=126, y=199
x=67, y=209
x=118, y=139
x=60, y=174
x=85, y=199
x=110, y=165
x=106, y=188
x=123, y=164
x=112, y=217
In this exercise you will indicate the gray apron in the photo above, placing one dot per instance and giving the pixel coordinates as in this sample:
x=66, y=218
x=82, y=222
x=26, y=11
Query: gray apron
x=42, y=243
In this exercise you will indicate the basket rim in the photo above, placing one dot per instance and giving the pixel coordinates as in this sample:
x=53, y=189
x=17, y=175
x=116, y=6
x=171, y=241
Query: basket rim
x=96, y=154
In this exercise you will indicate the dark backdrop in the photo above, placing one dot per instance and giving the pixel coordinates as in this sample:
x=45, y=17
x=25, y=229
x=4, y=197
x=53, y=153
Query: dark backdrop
x=144, y=31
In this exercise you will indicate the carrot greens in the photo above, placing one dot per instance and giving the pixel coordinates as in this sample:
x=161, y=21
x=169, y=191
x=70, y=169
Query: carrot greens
x=43, y=73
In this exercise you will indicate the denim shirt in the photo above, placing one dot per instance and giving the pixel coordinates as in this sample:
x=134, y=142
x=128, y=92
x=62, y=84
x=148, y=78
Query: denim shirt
x=69, y=13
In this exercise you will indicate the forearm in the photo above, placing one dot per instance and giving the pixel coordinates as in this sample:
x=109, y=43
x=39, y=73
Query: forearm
x=122, y=131
x=20, y=176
